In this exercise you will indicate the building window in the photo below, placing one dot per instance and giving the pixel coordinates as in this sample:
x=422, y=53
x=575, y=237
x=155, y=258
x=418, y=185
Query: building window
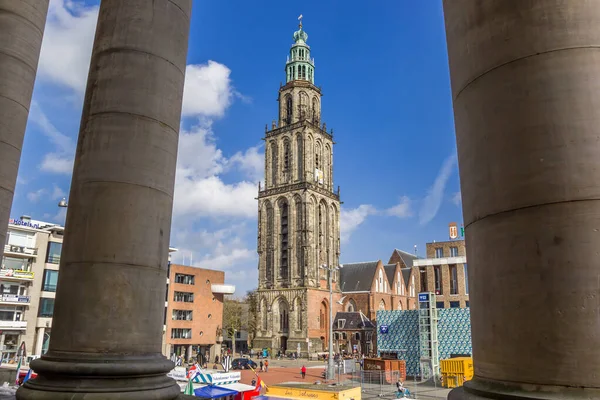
x=181, y=333
x=21, y=264
x=238, y=335
x=467, y=304
x=50, y=280
x=184, y=279
x=283, y=270
x=182, y=315
x=357, y=336
x=438, y=279
x=53, y=256
x=274, y=164
x=288, y=106
x=351, y=307
x=466, y=279
x=185, y=297
x=439, y=252
x=286, y=156
x=439, y=304
x=453, y=251
x=382, y=305
x=341, y=323
x=454, y=304
x=453, y=279
x=423, y=276
x=46, y=307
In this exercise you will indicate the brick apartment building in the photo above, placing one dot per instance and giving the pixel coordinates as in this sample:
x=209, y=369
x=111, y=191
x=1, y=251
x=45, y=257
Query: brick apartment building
x=194, y=312
x=444, y=272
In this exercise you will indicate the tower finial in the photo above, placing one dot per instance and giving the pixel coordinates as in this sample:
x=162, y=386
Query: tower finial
x=300, y=23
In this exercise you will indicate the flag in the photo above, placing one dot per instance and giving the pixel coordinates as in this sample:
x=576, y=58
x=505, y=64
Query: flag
x=189, y=389
x=192, y=371
x=28, y=376
x=260, y=384
x=18, y=370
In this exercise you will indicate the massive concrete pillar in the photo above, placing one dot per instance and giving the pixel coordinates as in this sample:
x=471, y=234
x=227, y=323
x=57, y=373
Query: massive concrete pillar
x=526, y=88
x=21, y=30
x=108, y=315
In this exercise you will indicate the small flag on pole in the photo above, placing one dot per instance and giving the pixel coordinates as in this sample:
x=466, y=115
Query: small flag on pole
x=28, y=376
x=189, y=388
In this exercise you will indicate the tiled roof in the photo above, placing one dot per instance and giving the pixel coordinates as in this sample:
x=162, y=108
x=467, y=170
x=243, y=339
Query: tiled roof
x=357, y=277
x=406, y=275
x=406, y=257
x=389, y=272
x=353, y=320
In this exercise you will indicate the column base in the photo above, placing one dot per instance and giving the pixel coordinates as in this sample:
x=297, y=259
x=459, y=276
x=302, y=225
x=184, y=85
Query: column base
x=70, y=376
x=482, y=389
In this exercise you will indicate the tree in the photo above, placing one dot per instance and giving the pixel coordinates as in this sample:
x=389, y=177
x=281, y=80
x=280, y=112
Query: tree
x=232, y=319
x=252, y=320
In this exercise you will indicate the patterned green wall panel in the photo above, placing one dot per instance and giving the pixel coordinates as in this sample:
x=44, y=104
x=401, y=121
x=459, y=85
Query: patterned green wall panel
x=454, y=332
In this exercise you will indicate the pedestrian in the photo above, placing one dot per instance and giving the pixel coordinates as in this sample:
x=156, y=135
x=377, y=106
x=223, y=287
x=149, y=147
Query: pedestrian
x=267, y=366
x=262, y=368
x=303, y=371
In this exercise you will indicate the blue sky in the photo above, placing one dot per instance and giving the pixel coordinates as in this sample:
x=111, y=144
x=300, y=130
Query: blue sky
x=384, y=73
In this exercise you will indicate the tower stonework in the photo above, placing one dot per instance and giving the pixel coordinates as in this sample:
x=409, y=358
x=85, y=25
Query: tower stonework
x=298, y=216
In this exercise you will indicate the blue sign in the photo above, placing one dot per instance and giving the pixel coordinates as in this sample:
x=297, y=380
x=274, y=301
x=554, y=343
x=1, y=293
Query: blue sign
x=423, y=297
x=383, y=329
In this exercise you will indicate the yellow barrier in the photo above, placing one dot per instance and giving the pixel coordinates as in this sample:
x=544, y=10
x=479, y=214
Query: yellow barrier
x=302, y=391
x=456, y=371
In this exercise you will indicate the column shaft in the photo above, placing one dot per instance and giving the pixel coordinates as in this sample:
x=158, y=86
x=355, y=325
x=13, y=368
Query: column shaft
x=108, y=316
x=21, y=30
x=526, y=93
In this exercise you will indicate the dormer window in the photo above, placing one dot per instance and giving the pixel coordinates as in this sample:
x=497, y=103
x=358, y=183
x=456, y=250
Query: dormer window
x=341, y=323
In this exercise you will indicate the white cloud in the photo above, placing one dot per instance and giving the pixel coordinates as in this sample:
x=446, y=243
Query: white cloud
x=57, y=193
x=207, y=90
x=59, y=161
x=198, y=156
x=457, y=198
x=402, y=209
x=433, y=200
x=350, y=219
x=67, y=45
x=251, y=162
x=34, y=197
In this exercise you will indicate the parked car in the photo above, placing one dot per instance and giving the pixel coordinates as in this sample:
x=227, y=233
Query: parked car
x=242, y=363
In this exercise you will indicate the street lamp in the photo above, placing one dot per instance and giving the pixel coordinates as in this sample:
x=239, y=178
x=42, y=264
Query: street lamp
x=330, y=367
x=63, y=203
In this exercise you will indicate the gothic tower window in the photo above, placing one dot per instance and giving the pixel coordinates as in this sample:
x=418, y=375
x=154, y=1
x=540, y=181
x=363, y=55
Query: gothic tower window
x=274, y=163
x=299, y=250
x=286, y=156
x=303, y=108
x=284, y=240
x=263, y=308
x=270, y=228
x=315, y=110
x=298, y=308
x=288, y=109
x=299, y=154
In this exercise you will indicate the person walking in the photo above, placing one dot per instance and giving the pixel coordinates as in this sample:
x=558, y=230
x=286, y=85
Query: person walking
x=267, y=366
x=303, y=371
x=262, y=368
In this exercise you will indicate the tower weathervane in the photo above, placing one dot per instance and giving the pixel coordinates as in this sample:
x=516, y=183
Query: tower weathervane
x=300, y=23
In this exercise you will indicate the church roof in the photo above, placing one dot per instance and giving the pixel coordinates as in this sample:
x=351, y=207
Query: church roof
x=406, y=257
x=389, y=272
x=353, y=320
x=357, y=277
x=406, y=275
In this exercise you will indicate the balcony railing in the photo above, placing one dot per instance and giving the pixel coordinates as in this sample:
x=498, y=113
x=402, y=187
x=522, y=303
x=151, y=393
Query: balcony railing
x=53, y=259
x=20, y=250
x=16, y=274
x=15, y=299
x=13, y=324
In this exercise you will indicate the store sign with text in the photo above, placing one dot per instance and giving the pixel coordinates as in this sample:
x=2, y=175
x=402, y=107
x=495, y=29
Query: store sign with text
x=454, y=231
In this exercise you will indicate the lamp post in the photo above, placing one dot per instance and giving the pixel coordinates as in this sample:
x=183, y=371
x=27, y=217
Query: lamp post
x=330, y=366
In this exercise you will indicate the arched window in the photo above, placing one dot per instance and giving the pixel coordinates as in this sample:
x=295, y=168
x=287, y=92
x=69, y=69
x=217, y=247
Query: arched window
x=283, y=210
x=382, y=305
x=380, y=280
x=299, y=164
x=351, y=306
x=288, y=109
x=315, y=110
x=270, y=244
x=286, y=155
x=284, y=314
x=400, y=305
x=299, y=249
x=303, y=98
x=274, y=168
x=357, y=336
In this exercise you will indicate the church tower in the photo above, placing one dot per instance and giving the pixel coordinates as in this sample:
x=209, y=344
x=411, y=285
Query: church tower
x=298, y=215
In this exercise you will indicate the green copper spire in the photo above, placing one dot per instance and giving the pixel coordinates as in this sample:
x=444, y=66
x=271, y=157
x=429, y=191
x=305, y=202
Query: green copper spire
x=299, y=65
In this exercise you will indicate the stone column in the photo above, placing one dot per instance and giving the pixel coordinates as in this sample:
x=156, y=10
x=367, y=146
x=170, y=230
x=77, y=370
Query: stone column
x=110, y=302
x=21, y=30
x=526, y=89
